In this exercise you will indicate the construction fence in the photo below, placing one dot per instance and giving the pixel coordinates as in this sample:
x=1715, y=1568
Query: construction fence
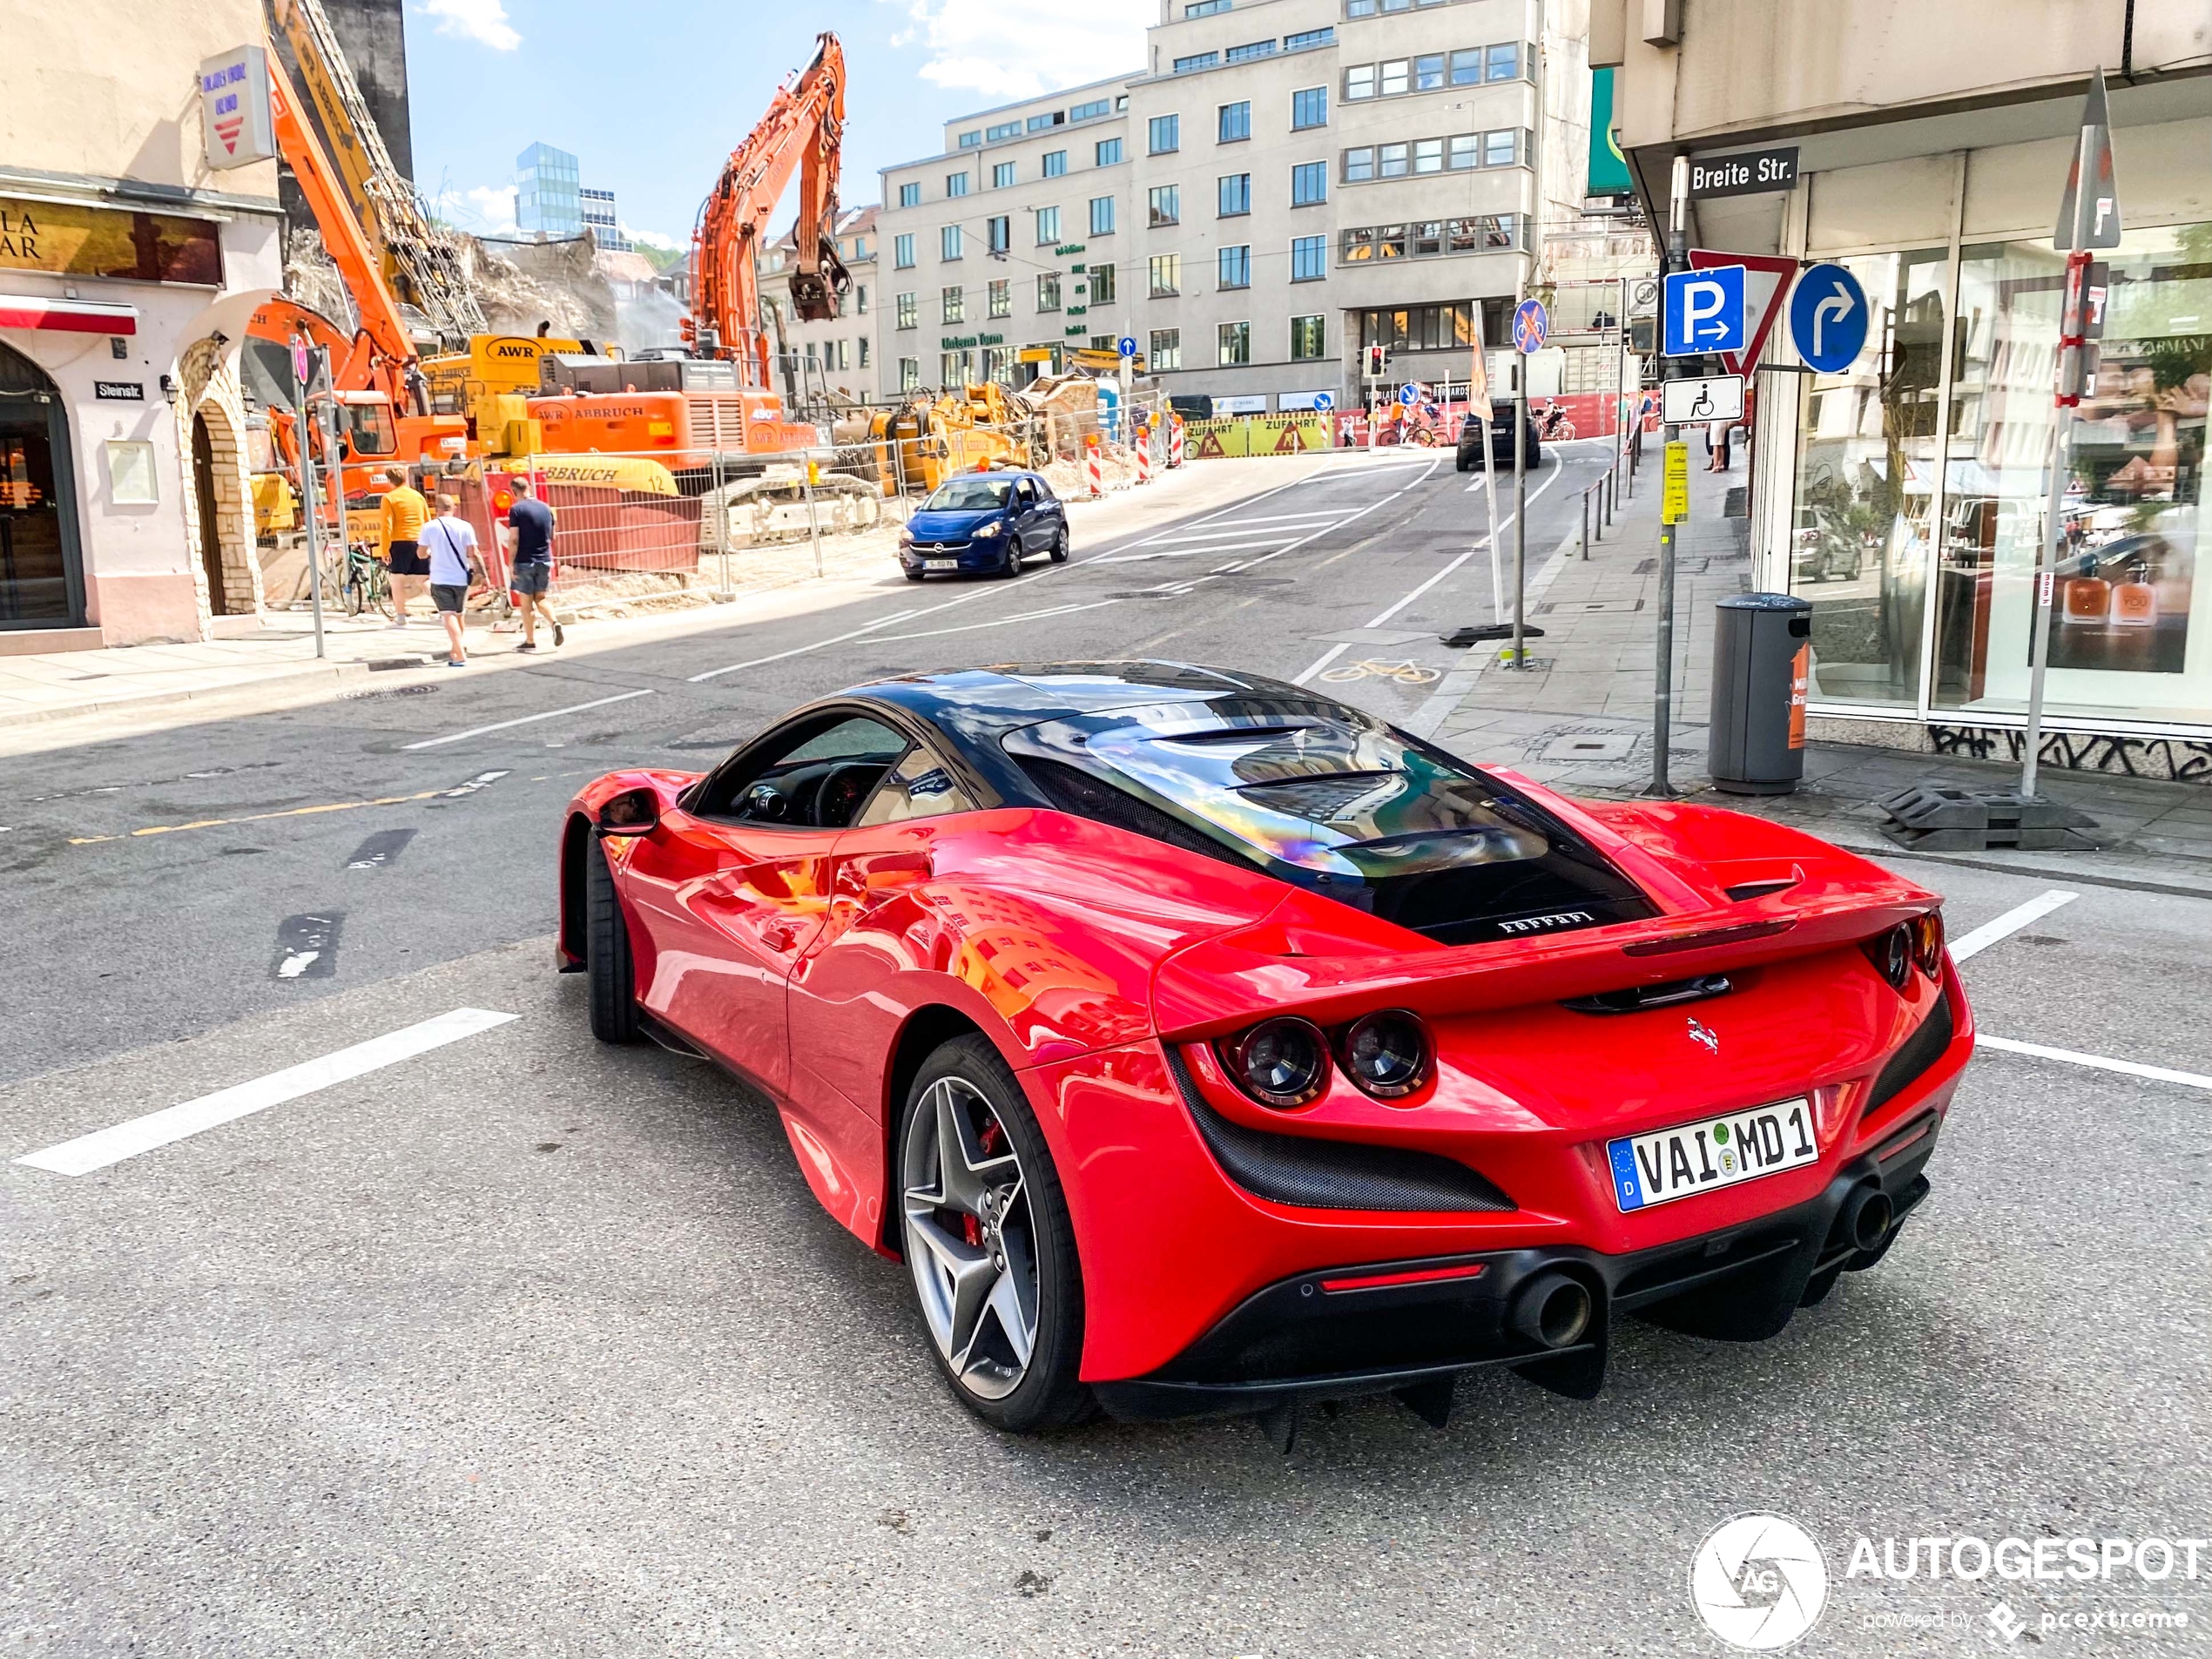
x=1236, y=436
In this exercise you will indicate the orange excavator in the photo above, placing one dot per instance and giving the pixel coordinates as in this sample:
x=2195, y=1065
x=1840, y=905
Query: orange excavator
x=719, y=399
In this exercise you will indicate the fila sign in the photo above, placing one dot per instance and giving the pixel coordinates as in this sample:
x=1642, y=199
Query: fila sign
x=234, y=108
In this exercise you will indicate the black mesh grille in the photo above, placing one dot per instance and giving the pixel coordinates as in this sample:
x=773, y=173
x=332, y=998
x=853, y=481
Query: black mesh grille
x=1922, y=1050
x=1332, y=1174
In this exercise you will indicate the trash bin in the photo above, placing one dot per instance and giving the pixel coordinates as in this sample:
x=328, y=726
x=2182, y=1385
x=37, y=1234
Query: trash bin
x=1762, y=655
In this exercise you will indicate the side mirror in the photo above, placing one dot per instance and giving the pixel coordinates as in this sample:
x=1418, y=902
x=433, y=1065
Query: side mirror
x=634, y=812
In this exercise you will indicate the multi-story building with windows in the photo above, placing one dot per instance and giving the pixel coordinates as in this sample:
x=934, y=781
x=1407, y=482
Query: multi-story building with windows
x=834, y=358
x=549, y=202
x=1010, y=246
x=1292, y=179
x=596, y=209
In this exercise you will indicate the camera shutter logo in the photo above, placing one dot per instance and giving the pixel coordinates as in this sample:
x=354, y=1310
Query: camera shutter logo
x=1758, y=1582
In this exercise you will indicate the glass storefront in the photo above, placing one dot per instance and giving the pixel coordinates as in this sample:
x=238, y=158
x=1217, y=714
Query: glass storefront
x=1921, y=480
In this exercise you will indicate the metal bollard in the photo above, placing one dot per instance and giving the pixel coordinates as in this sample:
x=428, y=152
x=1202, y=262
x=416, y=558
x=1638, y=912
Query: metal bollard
x=1585, y=525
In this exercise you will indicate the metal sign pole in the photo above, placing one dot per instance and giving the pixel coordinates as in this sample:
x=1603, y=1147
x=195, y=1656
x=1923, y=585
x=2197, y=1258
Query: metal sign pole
x=2046, y=563
x=1663, y=681
x=303, y=428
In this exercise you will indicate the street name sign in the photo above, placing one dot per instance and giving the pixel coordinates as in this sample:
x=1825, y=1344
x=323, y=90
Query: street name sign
x=1747, y=174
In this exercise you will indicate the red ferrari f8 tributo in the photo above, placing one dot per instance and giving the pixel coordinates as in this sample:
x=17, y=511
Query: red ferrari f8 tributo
x=1205, y=1046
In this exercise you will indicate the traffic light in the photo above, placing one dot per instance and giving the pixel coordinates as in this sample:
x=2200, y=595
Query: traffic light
x=1378, y=362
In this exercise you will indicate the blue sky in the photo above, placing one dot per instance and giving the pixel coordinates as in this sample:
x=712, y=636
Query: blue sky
x=652, y=96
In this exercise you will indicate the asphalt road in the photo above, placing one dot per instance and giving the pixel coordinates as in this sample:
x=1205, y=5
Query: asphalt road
x=526, y=1346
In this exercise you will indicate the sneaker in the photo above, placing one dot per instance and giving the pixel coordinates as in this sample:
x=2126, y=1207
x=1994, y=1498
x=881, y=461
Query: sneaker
x=398, y=622
x=456, y=662
x=559, y=635
x=526, y=645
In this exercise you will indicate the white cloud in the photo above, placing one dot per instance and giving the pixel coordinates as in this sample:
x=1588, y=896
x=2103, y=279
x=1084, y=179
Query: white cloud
x=1015, y=48
x=484, y=21
x=483, y=210
x=649, y=238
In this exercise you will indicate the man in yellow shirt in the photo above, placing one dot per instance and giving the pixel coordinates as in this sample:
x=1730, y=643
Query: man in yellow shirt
x=405, y=513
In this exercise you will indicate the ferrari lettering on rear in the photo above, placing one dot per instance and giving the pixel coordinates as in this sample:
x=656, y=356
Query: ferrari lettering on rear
x=1537, y=924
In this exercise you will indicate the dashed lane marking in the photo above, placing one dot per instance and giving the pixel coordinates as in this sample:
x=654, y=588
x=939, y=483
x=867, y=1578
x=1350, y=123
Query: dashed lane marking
x=102, y=1147
x=2012, y=922
x=2094, y=1062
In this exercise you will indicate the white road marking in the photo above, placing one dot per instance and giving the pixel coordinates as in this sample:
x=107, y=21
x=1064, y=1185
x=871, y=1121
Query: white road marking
x=1464, y=557
x=1321, y=663
x=1001, y=622
x=2012, y=922
x=2095, y=1061
x=482, y=780
x=298, y=964
x=528, y=719
x=102, y=1147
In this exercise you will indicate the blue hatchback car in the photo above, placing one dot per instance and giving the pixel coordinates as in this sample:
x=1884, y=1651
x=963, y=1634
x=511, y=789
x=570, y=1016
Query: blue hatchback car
x=984, y=523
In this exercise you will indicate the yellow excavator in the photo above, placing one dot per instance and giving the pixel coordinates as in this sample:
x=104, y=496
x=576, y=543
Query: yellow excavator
x=932, y=437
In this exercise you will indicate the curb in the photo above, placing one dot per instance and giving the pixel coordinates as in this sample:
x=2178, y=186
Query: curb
x=139, y=699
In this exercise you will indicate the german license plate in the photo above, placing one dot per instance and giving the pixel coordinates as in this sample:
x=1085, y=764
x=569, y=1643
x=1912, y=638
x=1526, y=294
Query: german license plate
x=940, y=564
x=1717, y=1152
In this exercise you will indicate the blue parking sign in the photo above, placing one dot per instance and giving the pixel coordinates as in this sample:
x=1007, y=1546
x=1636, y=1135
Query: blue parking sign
x=1704, y=312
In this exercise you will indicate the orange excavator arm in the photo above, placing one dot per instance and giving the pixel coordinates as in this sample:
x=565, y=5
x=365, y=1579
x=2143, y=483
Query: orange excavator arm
x=384, y=351
x=802, y=132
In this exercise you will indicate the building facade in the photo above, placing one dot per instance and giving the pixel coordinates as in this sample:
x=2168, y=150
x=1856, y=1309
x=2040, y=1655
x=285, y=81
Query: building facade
x=129, y=266
x=832, y=359
x=1905, y=493
x=1283, y=182
x=549, y=193
x=595, y=208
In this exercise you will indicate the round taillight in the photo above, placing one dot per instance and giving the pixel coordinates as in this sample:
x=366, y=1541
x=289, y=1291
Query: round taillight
x=1387, y=1055
x=1281, y=1063
x=1892, y=954
x=1927, y=943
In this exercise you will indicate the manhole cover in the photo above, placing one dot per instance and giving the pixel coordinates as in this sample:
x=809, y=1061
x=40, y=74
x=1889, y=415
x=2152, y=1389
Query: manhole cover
x=1586, y=607
x=1615, y=745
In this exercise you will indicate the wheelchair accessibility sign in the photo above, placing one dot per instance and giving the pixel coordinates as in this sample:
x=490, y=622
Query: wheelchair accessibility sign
x=1691, y=402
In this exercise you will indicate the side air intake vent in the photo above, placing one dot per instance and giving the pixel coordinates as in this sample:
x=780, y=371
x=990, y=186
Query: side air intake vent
x=1922, y=1050
x=1332, y=1174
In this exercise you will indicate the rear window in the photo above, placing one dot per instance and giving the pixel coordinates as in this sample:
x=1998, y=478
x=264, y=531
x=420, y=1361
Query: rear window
x=1338, y=802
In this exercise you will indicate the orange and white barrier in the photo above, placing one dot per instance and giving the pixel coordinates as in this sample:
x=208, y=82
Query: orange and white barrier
x=1144, y=455
x=1175, y=445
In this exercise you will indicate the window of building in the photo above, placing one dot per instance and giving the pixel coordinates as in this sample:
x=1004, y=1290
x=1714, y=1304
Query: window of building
x=1107, y=154
x=907, y=310
x=1234, y=122
x=1167, y=274
x=955, y=185
x=998, y=233
x=1359, y=163
x=1101, y=215
x=1428, y=155
x=1166, y=204
x=1309, y=338
x=1308, y=184
x=1466, y=67
x=1056, y=163
x=1309, y=108
x=969, y=140
x=1004, y=130
x=1043, y=122
x=1428, y=72
x=1167, y=350
x=909, y=374
x=1233, y=195
x=1091, y=111
x=1048, y=290
x=948, y=242
x=910, y=195
x=902, y=251
x=1307, y=39
x=1479, y=234
x=1204, y=8
x=813, y=361
x=1233, y=343
x=1001, y=175
x=1498, y=148
x=1233, y=267
x=1504, y=62
x=1196, y=61
x=1309, y=258
x=1393, y=77
x=1449, y=326
x=864, y=351
x=952, y=305
x=1359, y=81
x=1390, y=160
x=1048, y=226
x=1102, y=285
x=1246, y=54
x=860, y=300
x=956, y=368
x=1163, y=134
x=1000, y=297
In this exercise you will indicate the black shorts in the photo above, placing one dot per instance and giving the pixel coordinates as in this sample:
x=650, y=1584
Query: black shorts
x=449, y=596
x=532, y=577
x=408, y=559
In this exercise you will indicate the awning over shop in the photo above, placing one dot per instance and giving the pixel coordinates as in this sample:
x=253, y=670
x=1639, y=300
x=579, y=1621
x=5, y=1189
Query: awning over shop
x=69, y=316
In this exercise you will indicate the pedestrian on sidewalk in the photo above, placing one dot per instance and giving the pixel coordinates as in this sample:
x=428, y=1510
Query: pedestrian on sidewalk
x=1717, y=440
x=529, y=560
x=452, y=549
x=402, y=518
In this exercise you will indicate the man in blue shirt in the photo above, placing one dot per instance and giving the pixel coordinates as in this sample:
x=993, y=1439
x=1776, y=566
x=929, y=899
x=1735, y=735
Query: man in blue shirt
x=452, y=549
x=529, y=540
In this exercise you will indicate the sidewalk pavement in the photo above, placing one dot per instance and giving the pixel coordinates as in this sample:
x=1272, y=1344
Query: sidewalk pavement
x=276, y=661
x=1580, y=717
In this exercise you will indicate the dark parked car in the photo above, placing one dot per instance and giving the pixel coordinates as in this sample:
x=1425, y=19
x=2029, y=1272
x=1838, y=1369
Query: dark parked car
x=1501, y=439
x=984, y=523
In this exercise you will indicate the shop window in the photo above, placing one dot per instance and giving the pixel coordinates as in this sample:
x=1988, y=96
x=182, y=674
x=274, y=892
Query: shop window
x=1167, y=350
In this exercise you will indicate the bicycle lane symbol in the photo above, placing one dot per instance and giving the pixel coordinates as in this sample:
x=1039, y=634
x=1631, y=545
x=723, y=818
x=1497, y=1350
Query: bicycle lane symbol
x=1405, y=673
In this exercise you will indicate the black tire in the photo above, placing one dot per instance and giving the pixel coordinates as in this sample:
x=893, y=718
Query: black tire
x=913, y=576
x=1012, y=568
x=1059, y=548
x=1462, y=463
x=609, y=975
x=356, y=596
x=1050, y=1393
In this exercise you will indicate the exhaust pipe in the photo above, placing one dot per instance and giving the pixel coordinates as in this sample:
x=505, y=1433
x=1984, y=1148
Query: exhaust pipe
x=1553, y=1310
x=1868, y=1219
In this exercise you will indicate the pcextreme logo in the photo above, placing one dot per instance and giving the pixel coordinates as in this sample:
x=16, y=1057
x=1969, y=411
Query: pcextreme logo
x=1758, y=1582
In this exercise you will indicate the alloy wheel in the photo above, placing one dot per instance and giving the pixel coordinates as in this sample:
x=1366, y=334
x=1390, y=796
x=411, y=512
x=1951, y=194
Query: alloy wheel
x=971, y=1241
